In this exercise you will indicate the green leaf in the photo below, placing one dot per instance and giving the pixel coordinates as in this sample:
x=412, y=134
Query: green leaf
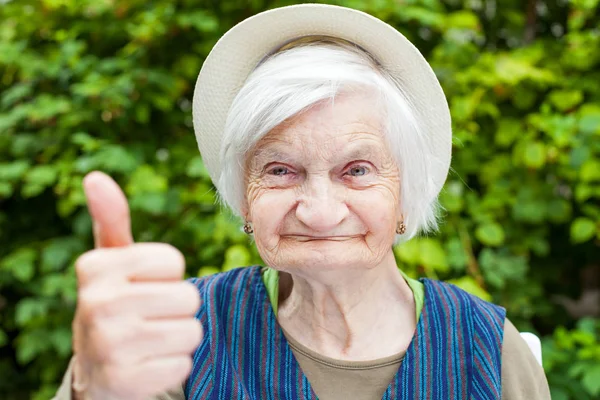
x=13, y=171
x=61, y=341
x=59, y=285
x=197, y=169
x=500, y=267
x=559, y=394
x=146, y=180
x=21, y=264
x=408, y=252
x=200, y=20
x=3, y=338
x=456, y=254
x=39, y=178
x=28, y=309
x=589, y=118
x=462, y=20
x=236, y=256
x=565, y=99
x=152, y=203
x=559, y=211
x=535, y=155
x=87, y=142
x=423, y=16
x=432, y=254
x=47, y=106
x=31, y=344
x=426, y=252
x=14, y=94
x=591, y=380
x=6, y=190
x=590, y=171
x=59, y=252
x=208, y=270
x=114, y=158
x=509, y=129
x=528, y=206
x=582, y=230
x=490, y=234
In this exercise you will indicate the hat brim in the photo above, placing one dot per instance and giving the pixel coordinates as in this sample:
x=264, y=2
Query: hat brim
x=241, y=49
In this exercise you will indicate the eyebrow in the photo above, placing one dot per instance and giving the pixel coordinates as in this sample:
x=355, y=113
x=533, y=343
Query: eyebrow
x=362, y=152
x=271, y=154
x=357, y=152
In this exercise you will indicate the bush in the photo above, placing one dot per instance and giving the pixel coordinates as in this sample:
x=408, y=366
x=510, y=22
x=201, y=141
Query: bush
x=103, y=84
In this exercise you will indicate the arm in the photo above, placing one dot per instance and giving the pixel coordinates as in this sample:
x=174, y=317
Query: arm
x=522, y=375
x=134, y=329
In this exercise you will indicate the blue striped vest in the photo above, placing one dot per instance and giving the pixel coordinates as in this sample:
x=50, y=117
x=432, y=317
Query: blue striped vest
x=455, y=353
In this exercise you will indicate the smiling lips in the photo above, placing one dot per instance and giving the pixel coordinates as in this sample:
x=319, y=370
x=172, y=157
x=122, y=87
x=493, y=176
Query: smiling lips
x=310, y=238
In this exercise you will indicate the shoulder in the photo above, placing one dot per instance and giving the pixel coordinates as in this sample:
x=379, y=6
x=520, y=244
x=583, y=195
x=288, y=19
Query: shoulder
x=227, y=280
x=223, y=293
x=450, y=293
x=522, y=376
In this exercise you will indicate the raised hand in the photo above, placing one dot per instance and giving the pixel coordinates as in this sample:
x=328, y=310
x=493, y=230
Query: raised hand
x=134, y=329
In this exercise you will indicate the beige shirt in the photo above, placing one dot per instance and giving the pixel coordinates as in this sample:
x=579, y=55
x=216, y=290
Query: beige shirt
x=522, y=377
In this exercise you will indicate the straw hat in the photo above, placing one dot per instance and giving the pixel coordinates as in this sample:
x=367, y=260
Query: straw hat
x=245, y=45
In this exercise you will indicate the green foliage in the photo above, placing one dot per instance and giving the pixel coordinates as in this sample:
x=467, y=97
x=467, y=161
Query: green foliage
x=572, y=357
x=99, y=84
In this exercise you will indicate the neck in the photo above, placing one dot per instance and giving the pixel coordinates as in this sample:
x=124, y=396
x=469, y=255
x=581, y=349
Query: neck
x=354, y=314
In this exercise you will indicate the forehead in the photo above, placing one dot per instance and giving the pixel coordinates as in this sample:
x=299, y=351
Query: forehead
x=329, y=125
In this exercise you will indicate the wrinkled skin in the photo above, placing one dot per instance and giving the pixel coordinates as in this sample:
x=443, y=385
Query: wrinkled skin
x=323, y=197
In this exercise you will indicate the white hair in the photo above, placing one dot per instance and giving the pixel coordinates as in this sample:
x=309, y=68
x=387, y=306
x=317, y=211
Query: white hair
x=299, y=77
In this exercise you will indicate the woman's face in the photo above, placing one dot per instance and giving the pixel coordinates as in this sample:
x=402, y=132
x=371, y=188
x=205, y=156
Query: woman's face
x=323, y=189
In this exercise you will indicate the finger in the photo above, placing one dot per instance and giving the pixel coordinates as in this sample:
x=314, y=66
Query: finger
x=147, y=378
x=161, y=338
x=162, y=300
x=109, y=210
x=142, y=300
x=138, y=262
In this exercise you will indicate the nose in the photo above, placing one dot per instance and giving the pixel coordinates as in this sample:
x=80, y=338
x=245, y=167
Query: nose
x=321, y=206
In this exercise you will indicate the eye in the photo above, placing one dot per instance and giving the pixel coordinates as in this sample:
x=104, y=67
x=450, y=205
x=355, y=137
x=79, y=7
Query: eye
x=279, y=170
x=357, y=170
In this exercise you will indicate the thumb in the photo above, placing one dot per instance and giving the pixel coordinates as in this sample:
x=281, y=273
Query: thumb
x=109, y=210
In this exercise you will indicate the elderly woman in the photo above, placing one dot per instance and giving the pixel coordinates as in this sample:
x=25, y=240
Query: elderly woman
x=327, y=131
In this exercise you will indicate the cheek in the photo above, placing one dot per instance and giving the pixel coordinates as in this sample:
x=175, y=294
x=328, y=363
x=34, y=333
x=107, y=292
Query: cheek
x=267, y=209
x=377, y=208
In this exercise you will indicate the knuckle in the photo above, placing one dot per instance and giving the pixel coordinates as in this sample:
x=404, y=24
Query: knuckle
x=83, y=265
x=111, y=355
x=190, y=294
x=186, y=366
x=175, y=257
x=165, y=254
x=95, y=303
x=136, y=254
x=115, y=340
x=196, y=334
x=104, y=338
x=87, y=305
x=182, y=368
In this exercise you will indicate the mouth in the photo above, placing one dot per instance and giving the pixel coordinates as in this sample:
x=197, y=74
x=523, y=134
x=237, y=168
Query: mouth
x=310, y=238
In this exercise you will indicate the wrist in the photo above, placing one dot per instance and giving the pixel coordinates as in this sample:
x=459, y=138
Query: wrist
x=79, y=382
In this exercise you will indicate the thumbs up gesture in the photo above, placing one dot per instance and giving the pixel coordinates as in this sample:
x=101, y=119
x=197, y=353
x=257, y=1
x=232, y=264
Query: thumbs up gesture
x=134, y=329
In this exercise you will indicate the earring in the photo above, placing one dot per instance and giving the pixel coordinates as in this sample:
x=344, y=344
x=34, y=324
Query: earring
x=248, y=229
x=401, y=228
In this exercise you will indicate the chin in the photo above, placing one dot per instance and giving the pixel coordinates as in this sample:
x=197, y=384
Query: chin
x=326, y=255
